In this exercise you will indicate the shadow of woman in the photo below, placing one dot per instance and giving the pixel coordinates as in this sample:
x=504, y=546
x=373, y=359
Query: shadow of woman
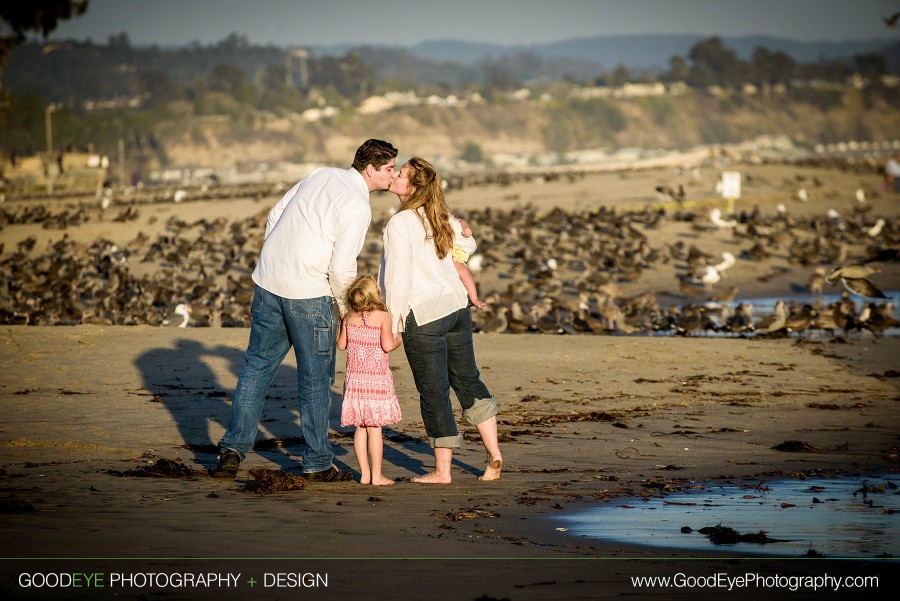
x=185, y=380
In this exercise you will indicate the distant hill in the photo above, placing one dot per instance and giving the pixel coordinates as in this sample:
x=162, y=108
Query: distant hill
x=636, y=51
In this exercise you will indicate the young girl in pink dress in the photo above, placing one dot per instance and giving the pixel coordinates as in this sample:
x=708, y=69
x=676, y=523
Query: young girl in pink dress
x=369, y=398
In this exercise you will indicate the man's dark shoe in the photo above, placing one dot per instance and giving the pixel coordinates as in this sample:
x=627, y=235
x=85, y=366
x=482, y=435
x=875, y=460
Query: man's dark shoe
x=227, y=464
x=332, y=474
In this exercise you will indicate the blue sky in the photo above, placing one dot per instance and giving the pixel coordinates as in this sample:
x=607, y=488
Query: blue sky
x=404, y=22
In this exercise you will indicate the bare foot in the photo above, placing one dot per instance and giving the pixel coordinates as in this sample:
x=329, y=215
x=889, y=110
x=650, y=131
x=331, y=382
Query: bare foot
x=382, y=481
x=492, y=469
x=365, y=479
x=431, y=478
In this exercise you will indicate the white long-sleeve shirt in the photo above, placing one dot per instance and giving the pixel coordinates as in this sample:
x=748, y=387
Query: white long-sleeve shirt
x=314, y=235
x=412, y=277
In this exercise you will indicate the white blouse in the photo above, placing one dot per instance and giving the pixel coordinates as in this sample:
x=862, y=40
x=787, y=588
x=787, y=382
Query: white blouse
x=412, y=278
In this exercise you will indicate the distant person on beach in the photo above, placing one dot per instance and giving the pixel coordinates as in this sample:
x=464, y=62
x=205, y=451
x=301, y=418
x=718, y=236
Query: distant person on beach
x=369, y=398
x=314, y=235
x=892, y=173
x=460, y=258
x=429, y=306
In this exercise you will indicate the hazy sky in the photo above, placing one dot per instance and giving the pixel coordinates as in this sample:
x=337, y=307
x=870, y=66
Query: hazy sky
x=404, y=22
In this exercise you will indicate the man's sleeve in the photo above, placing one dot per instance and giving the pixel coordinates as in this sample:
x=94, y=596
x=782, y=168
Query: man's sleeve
x=353, y=223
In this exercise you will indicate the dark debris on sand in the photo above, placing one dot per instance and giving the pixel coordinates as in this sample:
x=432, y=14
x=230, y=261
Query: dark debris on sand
x=796, y=446
x=161, y=468
x=13, y=504
x=267, y=482
x=723, y=535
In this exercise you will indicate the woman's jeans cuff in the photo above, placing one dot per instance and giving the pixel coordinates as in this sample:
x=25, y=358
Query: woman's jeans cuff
x=481, y=410
x=446, y=442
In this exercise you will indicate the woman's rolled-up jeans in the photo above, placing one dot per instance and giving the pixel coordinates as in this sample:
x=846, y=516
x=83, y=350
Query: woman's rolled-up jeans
x=441, y=357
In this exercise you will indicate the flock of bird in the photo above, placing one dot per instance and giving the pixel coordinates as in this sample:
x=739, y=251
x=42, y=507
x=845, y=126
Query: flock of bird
x=552, y=272
x=565, y=273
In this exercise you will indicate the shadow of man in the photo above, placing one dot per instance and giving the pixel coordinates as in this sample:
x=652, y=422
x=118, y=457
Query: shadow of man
x=185, y=380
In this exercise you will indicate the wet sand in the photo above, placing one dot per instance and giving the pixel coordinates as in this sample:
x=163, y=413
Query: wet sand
x=584, y=420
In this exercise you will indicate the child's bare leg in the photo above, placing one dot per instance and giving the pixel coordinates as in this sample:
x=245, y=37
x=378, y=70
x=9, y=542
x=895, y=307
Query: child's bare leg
x=376, y=452
x=488, y=432
x=443, y=458
x=469, y=282
x=360, y=445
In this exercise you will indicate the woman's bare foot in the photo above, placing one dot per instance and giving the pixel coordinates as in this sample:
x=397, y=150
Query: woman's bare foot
x=382, y=481
x=492, y=469
x=365, y=479
x=431, y=478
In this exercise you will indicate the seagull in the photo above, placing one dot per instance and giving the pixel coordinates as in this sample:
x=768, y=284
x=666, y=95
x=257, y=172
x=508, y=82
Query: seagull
x=775, y=321
x=181, y=310
x=891, y=21
x=716, y=217
x=816, y=281
x=710, y=277
x=498, y=323
x=854, y=278
x=875, y=230
x=667, y=194
x=728, y=260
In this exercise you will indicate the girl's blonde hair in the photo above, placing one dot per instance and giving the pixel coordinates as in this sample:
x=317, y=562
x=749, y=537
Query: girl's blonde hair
x=363, y=295
x=430, y=197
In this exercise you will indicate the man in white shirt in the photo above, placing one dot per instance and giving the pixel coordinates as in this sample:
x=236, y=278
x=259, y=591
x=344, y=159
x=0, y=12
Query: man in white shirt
x=313, y=238
x=892, y=173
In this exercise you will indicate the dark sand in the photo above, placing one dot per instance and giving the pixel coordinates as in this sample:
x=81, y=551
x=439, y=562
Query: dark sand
x=79, y=402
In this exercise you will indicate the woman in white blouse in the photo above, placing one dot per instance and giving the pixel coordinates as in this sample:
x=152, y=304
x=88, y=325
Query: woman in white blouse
x=429, y=306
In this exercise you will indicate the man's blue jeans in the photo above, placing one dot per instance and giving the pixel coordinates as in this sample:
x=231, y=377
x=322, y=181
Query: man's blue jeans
x=309, y=325
x=441, y=356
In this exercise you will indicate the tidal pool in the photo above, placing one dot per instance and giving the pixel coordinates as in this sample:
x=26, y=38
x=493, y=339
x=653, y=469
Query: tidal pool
x=837, y=517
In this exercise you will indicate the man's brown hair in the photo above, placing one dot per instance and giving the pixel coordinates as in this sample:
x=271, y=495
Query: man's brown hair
x=373, y=152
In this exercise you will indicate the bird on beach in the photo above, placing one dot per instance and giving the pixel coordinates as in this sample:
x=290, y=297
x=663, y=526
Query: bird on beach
x=497, y=323
x=816, y=281
x=854, y=277
x=716, y=217
x=667, y=194
x=875, y=230
x=878, y=318
x=725, y=297
x=710, y=277
x=181, y=310
x=775, y=321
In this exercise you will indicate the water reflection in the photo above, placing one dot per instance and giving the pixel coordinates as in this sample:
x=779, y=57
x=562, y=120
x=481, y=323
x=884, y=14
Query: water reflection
x=839, y=517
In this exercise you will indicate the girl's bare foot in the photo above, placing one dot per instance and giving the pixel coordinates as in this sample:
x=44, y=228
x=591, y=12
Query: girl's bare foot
x=492, y=469
x=382, y=481
x=431, y=478
x=365, y=479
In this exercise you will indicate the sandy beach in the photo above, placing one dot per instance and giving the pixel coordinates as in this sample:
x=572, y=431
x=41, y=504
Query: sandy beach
x=584, y=421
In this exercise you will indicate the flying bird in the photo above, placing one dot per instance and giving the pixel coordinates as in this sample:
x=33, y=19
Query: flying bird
x=892, y=20
x=855, y=279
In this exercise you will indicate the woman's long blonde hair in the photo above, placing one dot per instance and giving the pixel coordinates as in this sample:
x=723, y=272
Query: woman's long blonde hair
x=363, y=294
x=429, y=196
